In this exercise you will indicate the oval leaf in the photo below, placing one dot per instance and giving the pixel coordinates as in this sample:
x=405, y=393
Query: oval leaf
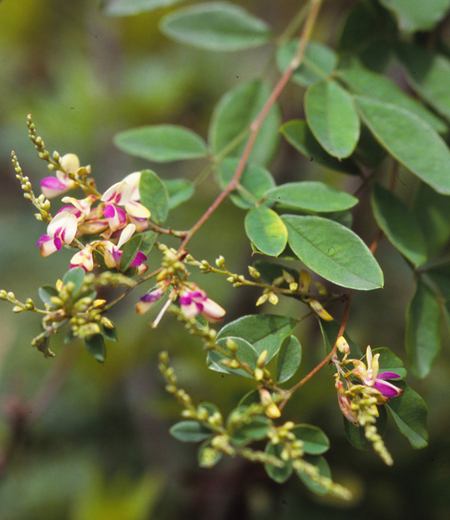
x=311, y=196
x=399, y=224
x=289, y=359
x=190, y=431
x=332, y=117
x=154, y=196
x=233, y=116
x=179, y=190
x=428, y=74
x=334, y=252
x=410, y=414
x=406, y=137
x=245, y=352
x=96, y=347
x=266, y=230
x=129, y=251
x=315, y=442
x=300, y=137
x=161, y=143
x=318, y=63
x=376, y=86
x=217, y=26
x=254, y=182
x=262, y=331
x=423, y=330
x=280, y=475
x=417, y=16
x=132, y=7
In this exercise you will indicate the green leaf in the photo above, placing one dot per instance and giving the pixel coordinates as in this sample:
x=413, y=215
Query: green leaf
x=432, y=211
x=231, y=121
x=376, y=86
x=363, y=35
x=148, y=240
x=318, y=63
x=132, y=7
x=262, y=331
x=423, y=337
x=129, y=251
x=389, y=362
x=280, y=475
x=321, y=464
x=315, y=442
x=330, y=331
x=356, y=436
x=190, y=431
x=46, y=292
x=75, y=276
x=245, y=352
x=254, y=182
x=440, y=275
x=266, y=230
x=428, y=74
x=368, y=151
x=161, y=143
x=405, y=137
x=311, y=196
x=410, y=413
x=96, y=347
x=398, y=223
x=217, y=26
x=109, y=333
x=289, y=359
x=302, y=139
x=179, y=191
x=332, y=118
x=334, y=252
x=254, y=430
x=154, y=196
x=417, y=16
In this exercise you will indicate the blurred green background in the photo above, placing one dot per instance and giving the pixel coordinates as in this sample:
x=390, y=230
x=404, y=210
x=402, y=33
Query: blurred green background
x=81, y=441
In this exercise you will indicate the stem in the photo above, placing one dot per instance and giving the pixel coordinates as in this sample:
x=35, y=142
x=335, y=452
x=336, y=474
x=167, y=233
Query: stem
x=256, y=124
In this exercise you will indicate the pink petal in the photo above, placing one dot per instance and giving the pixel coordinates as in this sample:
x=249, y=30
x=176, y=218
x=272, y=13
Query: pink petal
x=212, y=311
x=387, y=389
x=52, y=187
x=388, y=375
x=138, y=259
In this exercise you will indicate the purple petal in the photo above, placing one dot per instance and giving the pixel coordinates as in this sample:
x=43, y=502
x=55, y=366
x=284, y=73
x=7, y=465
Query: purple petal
x=185, y=299
x=43, y=239
x=109, y=211
x=52, y=187
x=387, y=389
x=388, y=375
x=138, y=259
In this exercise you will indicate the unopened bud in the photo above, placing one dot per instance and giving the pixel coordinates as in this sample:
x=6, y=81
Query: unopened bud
x=220, y=262
x=321, y=288
x=288, y=277
x=262, y=359
x=320, y=311
x=304, y=281
x=273, y=298
x=258, y=374
x=262, y=299
x=342, y=345
x=254, y=273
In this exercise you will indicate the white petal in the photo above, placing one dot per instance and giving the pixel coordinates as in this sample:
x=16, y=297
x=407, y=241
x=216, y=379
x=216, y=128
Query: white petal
x=127, y=233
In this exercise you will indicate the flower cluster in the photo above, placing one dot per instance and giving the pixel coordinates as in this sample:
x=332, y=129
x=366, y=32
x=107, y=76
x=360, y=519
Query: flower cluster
x=116, y=217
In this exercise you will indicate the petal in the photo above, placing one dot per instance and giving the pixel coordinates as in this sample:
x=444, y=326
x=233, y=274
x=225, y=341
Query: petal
x=70, y=162
x=387, y=389
x=190, y=311
x=126, y=234
x=47, y=247
x=52, y=187
x=388, y=375
x=212, y=311
x=119, y=193
x=83, y=259
x=137, y=210
x=63, y=220
x=133, y=179
x=138, y=259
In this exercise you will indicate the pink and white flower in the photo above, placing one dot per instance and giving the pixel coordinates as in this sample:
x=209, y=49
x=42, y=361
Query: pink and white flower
x=61, y=230
x=113, y=253
x=120, y=194
x=370, y=376
x=53, y=186
x=84, y=258
x=194, y=301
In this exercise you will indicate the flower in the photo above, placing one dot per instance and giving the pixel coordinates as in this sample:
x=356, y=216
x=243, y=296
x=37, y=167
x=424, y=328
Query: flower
x=61, y=230
x=194, y=301
x=370, y=376
x=53, y=186
x=146, y=302
x=120, y=194
x=113, y=253
x=84, y=258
